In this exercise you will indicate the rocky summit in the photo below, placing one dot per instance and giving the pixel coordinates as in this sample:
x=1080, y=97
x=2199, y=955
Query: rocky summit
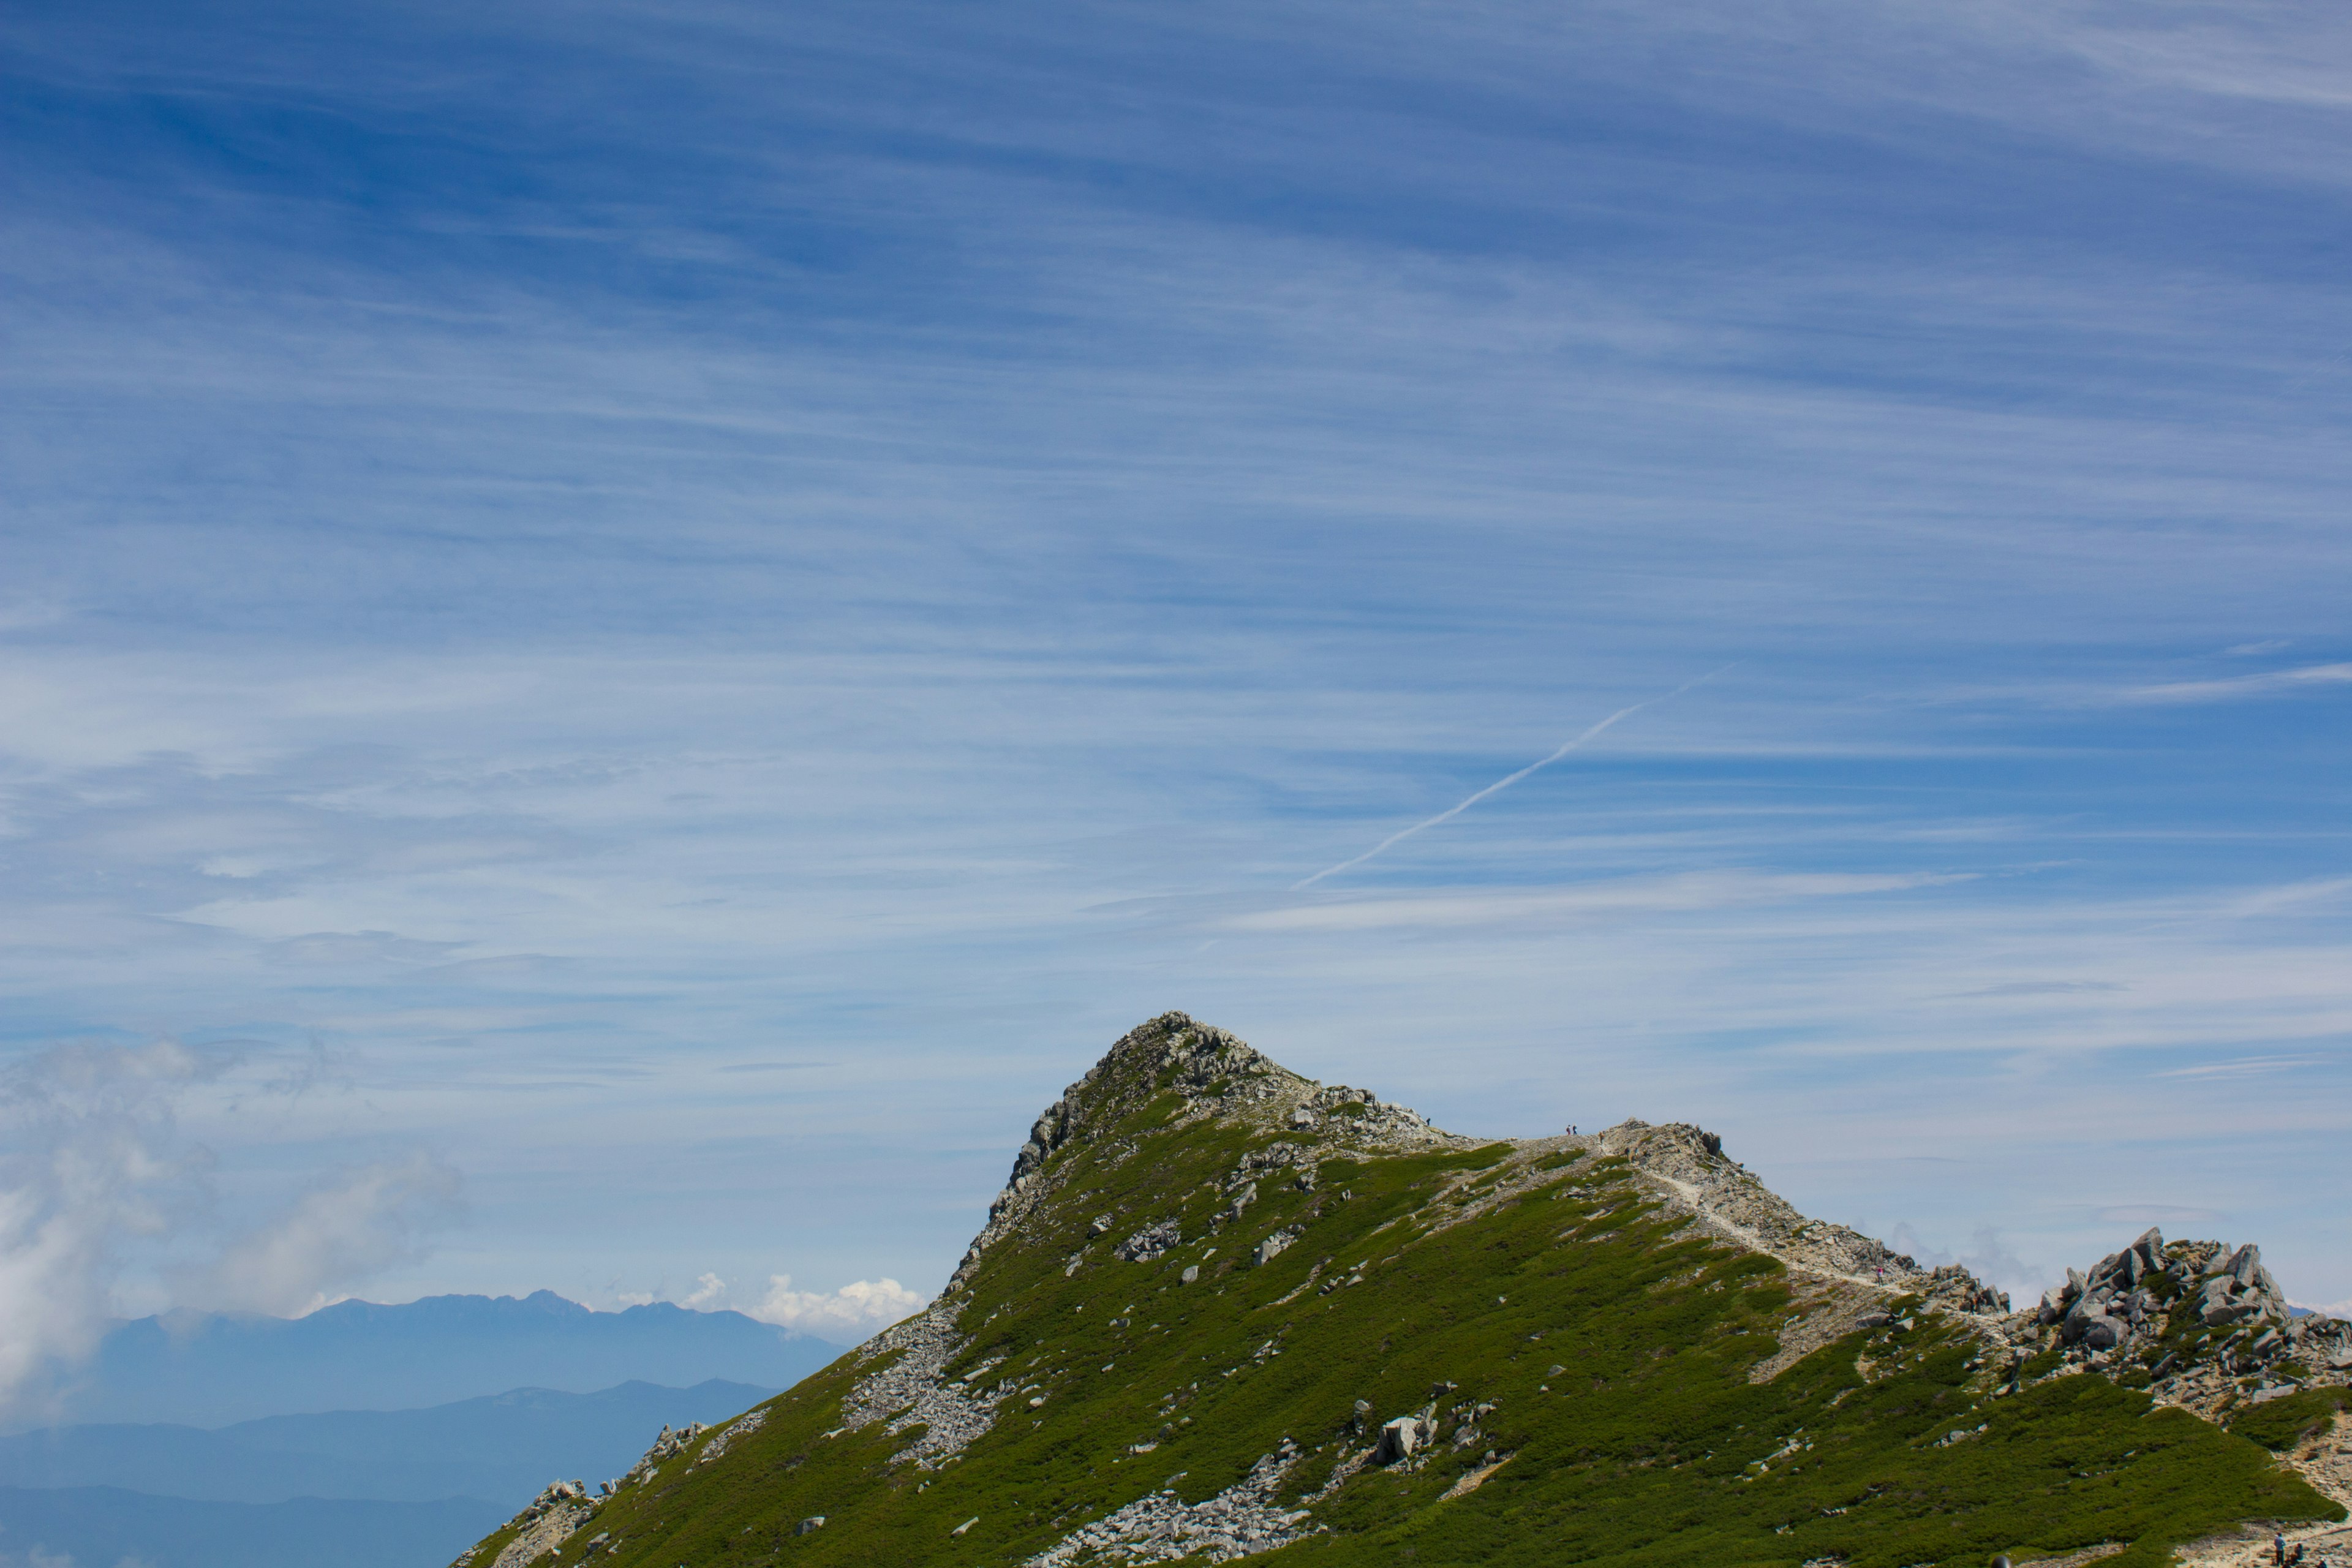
x=1223, y=1312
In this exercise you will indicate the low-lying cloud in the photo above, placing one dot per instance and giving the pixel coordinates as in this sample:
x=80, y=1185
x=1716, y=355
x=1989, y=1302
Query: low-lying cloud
x=92, y=1164
x=348, y=1226
x=1988, y=1257
x=94, y=1171
x=858, y=1309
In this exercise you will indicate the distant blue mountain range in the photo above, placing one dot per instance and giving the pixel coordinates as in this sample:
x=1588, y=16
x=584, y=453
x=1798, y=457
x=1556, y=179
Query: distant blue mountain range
x=501, y=1449
x=97, y=1526
x=364, y=1435
x=212, y=1369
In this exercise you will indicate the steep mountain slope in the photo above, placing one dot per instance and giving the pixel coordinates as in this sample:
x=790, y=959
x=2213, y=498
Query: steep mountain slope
x=1221, y=1310
x=209, y=1369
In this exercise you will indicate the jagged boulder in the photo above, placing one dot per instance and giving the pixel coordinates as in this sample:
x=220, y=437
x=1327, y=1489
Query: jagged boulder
x=2100, y=1332
x=1152, y=1241
x=1401, y=1437
x=1953, y=1288
x=1273, y=1246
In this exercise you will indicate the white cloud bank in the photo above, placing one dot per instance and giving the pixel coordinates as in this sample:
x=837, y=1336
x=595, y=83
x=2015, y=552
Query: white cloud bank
x=349, y=1225
x=93, y=1169
x=858, y=1309
x=90, y=1164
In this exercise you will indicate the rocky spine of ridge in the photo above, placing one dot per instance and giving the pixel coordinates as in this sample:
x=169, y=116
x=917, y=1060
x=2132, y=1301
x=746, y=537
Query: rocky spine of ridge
x=2206, y=1324
x=1723, y=1195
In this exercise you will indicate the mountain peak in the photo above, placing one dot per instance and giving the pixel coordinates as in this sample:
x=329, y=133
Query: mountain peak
x=1188, y=1073
x=1220, y=1309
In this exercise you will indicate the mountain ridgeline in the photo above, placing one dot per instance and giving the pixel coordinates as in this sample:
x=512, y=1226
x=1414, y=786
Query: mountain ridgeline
x=1224, y=1311
x=212, y=1369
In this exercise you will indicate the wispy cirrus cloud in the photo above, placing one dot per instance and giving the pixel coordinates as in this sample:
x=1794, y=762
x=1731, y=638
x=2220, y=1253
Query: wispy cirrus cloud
x=2247, y=1067
x=1679, y=894
x=2239, y=687
x=746, y=580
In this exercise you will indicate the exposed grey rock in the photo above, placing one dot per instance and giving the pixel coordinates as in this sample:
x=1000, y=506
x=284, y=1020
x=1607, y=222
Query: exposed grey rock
x=1102, y=1223
x=1723, y=1196
x=1242, y=1200
x=1191, y=1273
x=1271, y=1157
x=2221, y=1311
x=667, y=1446
x=1152, y=1241
x=1401, y=1437
x=1170, y=1051
x=1243, y=1521
x=911, y=1390
x=548, y=1519
x=810, y=1525
x=742, y=1426
x=1266, y=1250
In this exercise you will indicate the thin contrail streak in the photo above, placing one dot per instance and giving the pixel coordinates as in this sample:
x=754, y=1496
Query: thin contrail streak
x=1450, y=813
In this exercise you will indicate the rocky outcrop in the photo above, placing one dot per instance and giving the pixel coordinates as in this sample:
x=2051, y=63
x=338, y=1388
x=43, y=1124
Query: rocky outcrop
x=1273, y=1246
x=1213, y=1073
x=742, y=1426
x=558, y=1511
x=2200, y=1316
x=911, y=1389
x=2196, y=1313
x=2118, y=1301
x=1153, y=1241
x=1401, y=1438
x=540, y=1526
x=668, y=1444
x=1210, y=1068
x=1240, y=1521
x=1360, y=1117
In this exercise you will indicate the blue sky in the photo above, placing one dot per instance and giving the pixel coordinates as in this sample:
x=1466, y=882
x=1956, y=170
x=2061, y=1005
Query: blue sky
x=629, y=632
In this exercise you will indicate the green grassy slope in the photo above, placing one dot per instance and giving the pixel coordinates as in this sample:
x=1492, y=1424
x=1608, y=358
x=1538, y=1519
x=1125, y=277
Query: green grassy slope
x=1614, y=1342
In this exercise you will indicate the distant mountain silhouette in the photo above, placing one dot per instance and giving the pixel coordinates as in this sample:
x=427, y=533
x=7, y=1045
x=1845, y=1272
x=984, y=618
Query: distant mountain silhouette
x=212, y=1369
x=504, y=1447
x=100, y=1525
